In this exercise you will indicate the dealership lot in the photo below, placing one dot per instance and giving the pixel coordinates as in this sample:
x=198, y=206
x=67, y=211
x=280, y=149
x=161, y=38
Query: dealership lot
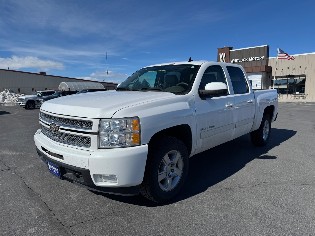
x=233, y=189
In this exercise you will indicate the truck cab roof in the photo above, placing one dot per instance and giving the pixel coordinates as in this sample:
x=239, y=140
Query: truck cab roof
x=199, y=63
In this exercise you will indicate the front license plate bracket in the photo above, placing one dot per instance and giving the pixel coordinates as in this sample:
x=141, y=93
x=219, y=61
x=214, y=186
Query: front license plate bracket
x=54, y=169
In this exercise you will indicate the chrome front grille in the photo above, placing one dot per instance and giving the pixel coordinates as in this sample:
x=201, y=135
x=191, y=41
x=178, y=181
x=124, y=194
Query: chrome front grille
x=67, y=138
x=66, y=122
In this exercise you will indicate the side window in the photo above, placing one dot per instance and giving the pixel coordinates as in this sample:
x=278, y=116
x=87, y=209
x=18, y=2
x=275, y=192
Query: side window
x=238, y=80
x=212, y=74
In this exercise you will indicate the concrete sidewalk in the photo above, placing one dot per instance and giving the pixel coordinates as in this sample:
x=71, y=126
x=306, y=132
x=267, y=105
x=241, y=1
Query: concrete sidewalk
x=290, y=98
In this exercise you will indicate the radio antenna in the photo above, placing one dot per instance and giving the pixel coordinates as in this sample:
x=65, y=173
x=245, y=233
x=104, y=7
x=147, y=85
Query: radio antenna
x=106, y=64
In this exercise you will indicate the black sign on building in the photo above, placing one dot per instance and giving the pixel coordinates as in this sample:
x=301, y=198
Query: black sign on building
x=253, y=59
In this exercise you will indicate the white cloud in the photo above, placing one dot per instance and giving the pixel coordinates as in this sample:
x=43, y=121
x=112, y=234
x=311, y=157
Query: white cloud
x=117, y=24
x=15, y=62
x=75, y=35
x=105, y=76
x=61, y=53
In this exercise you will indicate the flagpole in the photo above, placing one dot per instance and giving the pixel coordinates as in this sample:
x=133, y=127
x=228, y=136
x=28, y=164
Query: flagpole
x=273, y=84
x=274, y=76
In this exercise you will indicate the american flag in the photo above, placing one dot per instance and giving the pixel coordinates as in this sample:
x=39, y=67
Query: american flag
x=284, y=55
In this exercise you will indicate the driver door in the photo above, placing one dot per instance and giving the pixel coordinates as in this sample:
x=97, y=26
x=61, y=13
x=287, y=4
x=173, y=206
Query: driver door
x=214, y=116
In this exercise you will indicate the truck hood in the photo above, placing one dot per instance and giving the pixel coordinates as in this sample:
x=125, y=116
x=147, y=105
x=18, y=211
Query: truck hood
x=101, y=104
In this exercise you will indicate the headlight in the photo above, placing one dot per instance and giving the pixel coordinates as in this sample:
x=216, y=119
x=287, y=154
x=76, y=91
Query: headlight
x=119, y=132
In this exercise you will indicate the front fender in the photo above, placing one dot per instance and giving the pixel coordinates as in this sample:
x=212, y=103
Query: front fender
x=161, y=115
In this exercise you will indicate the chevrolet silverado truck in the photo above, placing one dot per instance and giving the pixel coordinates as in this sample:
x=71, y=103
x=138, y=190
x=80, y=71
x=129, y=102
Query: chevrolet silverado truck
x=139, y=137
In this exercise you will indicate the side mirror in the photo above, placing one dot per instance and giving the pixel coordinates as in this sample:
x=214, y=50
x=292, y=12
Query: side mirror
x=214, y=89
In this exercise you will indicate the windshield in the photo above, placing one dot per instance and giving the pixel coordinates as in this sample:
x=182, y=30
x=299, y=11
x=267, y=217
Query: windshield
x=177, y=79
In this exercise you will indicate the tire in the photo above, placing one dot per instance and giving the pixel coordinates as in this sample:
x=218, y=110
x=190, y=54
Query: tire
x=166, y=170
x=30, y=105
x=261, y=136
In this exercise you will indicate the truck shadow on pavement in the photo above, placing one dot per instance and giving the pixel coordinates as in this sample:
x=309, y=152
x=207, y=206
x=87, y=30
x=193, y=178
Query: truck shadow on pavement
x=217, y=164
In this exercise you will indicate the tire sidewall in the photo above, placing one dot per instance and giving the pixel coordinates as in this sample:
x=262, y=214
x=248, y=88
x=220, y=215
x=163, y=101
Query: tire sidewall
x=156, y=155
x=257, y=135
x=27, y=105
x=30, y=105
x=266, y=118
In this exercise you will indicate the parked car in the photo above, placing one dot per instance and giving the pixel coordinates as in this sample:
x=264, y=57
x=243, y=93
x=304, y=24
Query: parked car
x=35, y=100
x=138, y=139
x=57, y=94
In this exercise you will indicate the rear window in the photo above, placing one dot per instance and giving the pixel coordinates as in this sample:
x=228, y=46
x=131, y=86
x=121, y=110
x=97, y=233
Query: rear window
x=238, y=80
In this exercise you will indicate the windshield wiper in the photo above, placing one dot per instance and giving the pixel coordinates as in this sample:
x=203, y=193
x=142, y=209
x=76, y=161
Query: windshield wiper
x=142, y=89
x=151, y=89
x=122, y=89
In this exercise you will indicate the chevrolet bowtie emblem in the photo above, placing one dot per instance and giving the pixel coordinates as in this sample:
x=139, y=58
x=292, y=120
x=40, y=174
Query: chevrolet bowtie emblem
x=53, y=127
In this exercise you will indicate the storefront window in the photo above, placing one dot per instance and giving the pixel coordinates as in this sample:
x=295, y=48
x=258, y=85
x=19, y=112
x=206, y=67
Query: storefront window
x=290, y=84
x=300, y=85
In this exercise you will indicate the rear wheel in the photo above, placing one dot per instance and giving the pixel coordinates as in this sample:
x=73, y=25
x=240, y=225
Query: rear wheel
x=166, y=171
x=261, y=136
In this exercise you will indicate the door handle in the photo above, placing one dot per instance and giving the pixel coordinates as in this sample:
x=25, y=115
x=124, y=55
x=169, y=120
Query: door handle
x=250, y=101
x=229, y=105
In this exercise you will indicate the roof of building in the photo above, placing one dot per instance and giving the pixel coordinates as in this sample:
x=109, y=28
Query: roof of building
x=44, y=74
x=296, y=55
x=249, y=48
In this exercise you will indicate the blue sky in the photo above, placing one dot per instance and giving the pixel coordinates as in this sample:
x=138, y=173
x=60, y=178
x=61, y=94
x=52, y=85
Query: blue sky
x=71, y=37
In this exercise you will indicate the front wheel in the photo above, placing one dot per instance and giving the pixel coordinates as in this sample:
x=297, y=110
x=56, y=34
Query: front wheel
x=166, y=171
x=30, y=105
x=261, y=136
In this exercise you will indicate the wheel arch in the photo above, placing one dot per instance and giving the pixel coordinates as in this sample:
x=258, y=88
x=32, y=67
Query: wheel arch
x=270, y=110
x=260, y=114
x=181, y=132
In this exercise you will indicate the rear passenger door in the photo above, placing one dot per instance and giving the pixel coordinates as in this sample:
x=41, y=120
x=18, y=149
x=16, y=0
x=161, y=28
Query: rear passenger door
x=244, y=102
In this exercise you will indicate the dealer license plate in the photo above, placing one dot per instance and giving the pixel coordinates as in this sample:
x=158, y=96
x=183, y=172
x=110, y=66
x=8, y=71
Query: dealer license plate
x=54, y=169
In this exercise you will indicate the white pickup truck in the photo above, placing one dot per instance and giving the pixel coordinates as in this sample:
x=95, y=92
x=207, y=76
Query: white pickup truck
x=36, y=100
x=138, y=139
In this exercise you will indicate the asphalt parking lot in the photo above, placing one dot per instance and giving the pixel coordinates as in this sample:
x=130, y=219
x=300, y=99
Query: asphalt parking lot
x=233, y=189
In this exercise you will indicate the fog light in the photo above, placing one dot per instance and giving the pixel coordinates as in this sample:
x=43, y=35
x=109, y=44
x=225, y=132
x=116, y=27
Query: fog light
x=105, y=178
